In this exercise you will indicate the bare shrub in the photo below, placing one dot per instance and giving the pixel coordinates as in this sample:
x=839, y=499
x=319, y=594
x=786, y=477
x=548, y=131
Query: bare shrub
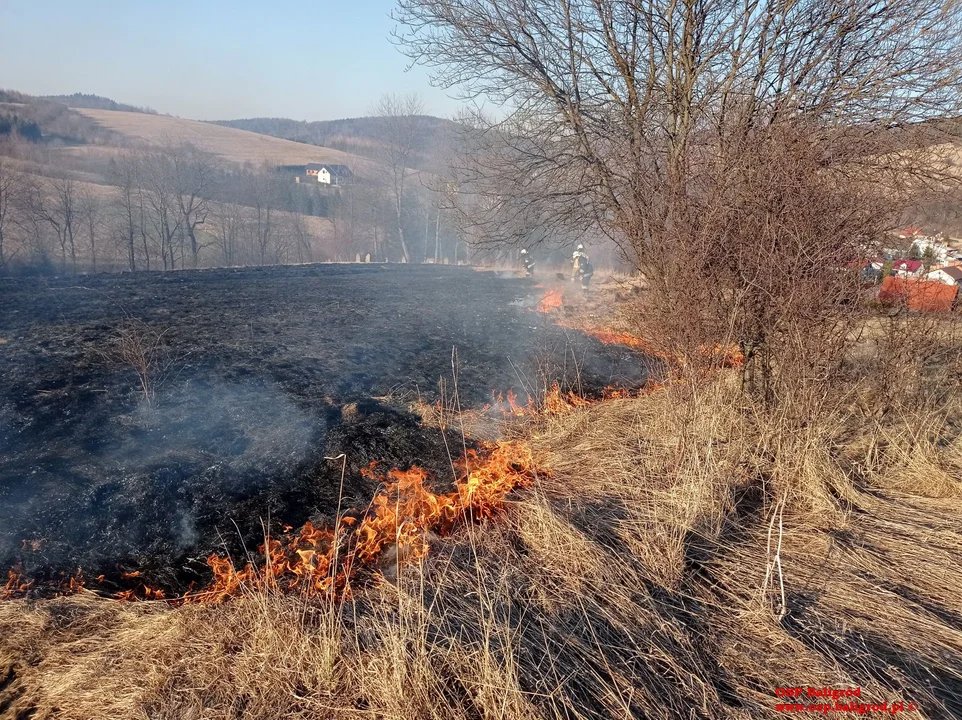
x=144, y=349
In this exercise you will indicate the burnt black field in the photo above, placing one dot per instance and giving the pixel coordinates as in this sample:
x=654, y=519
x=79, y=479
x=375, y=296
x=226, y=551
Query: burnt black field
x=257, y=375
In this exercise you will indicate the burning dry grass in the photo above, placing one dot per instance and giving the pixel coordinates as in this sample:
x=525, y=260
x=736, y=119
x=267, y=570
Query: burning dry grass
x=685, y=557
x=601, y=317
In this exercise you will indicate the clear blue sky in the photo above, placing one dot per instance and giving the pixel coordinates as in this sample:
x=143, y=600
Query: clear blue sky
x=212, y=59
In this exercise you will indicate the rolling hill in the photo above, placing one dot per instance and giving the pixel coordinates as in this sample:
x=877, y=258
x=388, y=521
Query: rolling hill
x=353, y=135
x=231, y=144
x=95, y=102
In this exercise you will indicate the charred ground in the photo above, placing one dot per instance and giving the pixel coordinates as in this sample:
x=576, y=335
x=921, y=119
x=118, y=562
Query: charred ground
x=255, y=377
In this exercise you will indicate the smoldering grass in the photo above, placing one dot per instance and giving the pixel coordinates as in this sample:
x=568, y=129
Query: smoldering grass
x=636, y=580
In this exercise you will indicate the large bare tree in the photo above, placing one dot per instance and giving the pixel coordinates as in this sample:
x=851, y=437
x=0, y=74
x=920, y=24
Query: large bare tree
x=659, y=123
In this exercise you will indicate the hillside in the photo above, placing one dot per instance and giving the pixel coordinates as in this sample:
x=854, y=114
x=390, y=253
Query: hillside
x=46, y=121
x=230, y=144
x=95, y=102
x=353, y=135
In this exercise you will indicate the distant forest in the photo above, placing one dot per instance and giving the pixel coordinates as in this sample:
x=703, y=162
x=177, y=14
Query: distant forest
x=43, y=120
x=95, y=102
x=354, y=135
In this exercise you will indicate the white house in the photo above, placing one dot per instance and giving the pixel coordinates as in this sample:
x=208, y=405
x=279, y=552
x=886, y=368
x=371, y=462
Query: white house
x=908, y=268
x=329, y=174
x=934, y=248
x=949, y=275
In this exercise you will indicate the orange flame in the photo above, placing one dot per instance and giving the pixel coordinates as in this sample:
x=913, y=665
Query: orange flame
x=551, y=300
x=557, y=402
x=728, y=356
x=403, y=515
x=507, y=404
x=16, y=584
x=609, y=337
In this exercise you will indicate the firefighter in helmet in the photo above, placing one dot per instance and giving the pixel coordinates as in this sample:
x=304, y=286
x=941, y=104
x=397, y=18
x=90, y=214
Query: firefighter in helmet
x=582, y=269
x=528, y=262
x=577, y=257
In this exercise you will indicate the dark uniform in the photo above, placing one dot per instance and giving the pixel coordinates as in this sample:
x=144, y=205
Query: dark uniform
x=528, y=263
x=585, y=271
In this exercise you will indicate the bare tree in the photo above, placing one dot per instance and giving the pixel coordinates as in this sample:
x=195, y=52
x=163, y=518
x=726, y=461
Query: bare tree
x=163, y=202
x=657, y=124
x=441, y=182
x=194, y=175
x=91, y=209
x=142, y=208
x=11, y=191
x=30, y=220
x=125, y=175
x=373, y=210
x=262, y=198
x=56, y=203
x=302, y=238
x=398, y=144
x=226, y=227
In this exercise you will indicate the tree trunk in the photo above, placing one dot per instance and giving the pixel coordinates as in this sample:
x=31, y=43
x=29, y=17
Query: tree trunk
x=193, y=245
x=400, y=231
x=93, y=249
x=73, y=249
x=437, y=237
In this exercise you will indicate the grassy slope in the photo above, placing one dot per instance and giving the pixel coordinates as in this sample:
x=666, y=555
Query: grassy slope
x=234, y=145
x=354, y=135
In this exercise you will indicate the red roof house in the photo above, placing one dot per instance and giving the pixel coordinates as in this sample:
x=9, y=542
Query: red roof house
x=907, y=267
x=917, y=294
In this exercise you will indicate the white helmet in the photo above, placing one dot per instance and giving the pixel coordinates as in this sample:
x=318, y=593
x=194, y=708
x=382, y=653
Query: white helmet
x=523, y=251
x=581, y=247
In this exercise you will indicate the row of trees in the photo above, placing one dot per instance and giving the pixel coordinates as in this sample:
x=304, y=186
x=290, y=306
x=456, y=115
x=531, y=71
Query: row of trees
x=165, y=208
x=175, y=206
x=396, y=212
x=40, y=217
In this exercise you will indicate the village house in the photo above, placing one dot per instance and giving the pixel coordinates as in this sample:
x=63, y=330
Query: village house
x=949, y=275
x=933, y=248
x=917, y=294
x=907, y=268
x=329, y=174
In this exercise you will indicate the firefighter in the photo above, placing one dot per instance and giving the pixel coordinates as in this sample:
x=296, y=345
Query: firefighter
x=528, y=262
x=577, y=257
x=585, y=271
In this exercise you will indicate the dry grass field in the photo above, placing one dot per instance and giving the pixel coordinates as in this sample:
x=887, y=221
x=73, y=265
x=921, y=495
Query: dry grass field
x=233, y=145
x=690, y=578
x=680, y=554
